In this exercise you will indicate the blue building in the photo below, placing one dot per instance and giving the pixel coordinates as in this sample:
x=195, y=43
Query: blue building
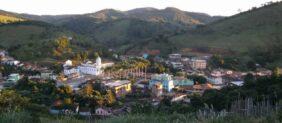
x=145, y=55
x=164, y=79
x=183, y=82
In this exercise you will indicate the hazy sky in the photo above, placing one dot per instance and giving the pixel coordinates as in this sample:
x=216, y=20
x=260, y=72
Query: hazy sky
x=56, y=7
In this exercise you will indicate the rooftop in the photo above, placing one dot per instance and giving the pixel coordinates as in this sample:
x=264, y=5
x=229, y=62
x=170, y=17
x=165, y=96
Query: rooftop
x=118, y=83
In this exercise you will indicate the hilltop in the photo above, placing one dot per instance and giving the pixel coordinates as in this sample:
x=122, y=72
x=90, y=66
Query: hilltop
x=122, y=29
x=167, y=15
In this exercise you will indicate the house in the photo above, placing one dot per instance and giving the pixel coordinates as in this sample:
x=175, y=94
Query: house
x=83, y=111
x=157, y=89
x=202, y=87
x=185, y=61
x=103, y=112
x=263, y=72
x=183, y=82
x=141, y=86
x=13, y=62
x=3, y=53
x=12, y=79
x=70, y=70
x=198, y=64
x=177, y=65
x=215, y=80
x=174, y=57
x=178, y=97
x=145, y=55
x=165, y=79
x=236, y=83
x=68, y=63
x=46, y=74
x=120, y=87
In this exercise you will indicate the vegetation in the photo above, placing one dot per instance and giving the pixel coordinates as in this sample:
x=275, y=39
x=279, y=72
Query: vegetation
x=249, y=36
x=4, y=19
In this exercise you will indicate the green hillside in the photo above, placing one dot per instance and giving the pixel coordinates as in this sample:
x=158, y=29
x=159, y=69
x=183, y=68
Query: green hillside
x=237, y=33
x=28, y=40
x=121, y=32
x=254, y=32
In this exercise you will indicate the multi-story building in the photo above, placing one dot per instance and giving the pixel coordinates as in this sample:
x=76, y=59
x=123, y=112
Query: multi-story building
x=120, y=87
x=174, y=57
x=165, y=79
x=198, y=64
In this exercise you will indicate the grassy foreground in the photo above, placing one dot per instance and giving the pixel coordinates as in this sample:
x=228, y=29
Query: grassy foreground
x=24, y=117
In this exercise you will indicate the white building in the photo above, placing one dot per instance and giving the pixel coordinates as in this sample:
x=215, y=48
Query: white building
x=70, y=70
x=177, y=65
x=198, y=64
x=90, y=68
x=86, y=68
x=68, y=63
x=174, y=57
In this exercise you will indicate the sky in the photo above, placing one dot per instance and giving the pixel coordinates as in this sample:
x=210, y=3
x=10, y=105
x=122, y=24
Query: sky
x=58, y=7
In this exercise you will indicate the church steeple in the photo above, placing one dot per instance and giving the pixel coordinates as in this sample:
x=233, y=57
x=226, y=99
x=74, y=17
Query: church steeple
x=98, y=61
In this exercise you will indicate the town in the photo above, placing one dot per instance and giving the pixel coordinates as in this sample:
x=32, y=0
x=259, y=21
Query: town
x=126, y=79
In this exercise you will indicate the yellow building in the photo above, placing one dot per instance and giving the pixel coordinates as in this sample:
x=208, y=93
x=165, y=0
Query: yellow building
x=120, y=87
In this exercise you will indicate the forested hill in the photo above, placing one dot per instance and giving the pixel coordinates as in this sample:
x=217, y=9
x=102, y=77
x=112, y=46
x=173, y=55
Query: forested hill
x=257, y=32
x=167, y=15
x=122, y=29
x=239, y=32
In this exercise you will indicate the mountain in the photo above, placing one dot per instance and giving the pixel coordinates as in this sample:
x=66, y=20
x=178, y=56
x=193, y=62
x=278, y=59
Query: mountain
x=168, y=15
x=237, y=33
x=172, y=15
x=117, y=29
x=119, y=33
x=255, y=33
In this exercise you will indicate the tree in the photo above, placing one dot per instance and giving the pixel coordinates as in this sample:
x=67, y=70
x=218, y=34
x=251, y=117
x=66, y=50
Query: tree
x=249, y=80
x=11, y=100
x=88, y=90
x=61, y=47
x=197, y=79
x=197, y=102
x=98, y=98
x=276, y=72
x=110, y=98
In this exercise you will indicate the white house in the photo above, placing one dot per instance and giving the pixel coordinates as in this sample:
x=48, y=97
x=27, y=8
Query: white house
x=103, y=112
x=68, y=63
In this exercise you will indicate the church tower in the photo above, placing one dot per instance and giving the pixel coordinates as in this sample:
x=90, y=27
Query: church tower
x=98, y=61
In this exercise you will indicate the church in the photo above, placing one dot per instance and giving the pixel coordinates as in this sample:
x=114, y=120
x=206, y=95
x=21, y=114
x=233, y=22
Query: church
x=88, y=68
